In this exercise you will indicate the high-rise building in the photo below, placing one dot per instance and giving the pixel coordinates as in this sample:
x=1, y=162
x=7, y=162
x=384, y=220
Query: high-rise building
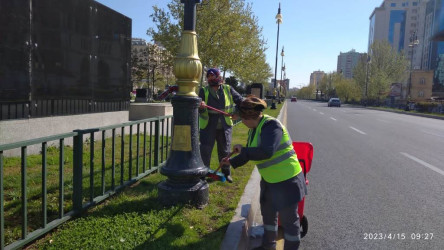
x=316, y=77
x=396, y=21
x=433, y=51
x=347, y=62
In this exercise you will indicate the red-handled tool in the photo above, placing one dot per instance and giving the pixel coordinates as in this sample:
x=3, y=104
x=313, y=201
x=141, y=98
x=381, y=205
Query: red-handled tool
x=217, y=176
x=170, y=90
x=215, y=109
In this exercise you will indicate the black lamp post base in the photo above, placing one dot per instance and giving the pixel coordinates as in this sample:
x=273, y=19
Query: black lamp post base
x=273, y=105
x=173, y=192
x=184, y=166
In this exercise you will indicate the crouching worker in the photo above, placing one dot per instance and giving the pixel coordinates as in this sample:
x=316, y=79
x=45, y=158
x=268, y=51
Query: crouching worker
x=269, y=146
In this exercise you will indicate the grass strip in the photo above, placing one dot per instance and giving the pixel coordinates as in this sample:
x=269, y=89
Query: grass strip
x=134, y=218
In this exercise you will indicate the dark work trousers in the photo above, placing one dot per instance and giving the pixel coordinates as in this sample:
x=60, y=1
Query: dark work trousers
x=289, y=220
x=207, y=138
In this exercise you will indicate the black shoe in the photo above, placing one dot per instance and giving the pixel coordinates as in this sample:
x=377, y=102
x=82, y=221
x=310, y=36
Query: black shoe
x=229, y=179
x=259, y=248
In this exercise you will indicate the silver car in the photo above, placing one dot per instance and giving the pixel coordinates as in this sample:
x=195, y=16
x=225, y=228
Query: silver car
x=334, y=102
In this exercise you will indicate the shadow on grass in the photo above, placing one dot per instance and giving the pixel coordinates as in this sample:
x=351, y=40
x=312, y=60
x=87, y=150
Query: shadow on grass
x=171, y=239
x=137, y=198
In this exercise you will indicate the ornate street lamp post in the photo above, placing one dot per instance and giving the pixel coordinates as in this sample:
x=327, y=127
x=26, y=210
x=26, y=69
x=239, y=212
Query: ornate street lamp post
x=184, y=167
x=282, y=69
x=413, y=42
x=366, y=79
x=278, y=21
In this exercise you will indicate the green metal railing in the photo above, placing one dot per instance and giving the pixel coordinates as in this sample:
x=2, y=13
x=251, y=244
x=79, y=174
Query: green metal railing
x=53, y=188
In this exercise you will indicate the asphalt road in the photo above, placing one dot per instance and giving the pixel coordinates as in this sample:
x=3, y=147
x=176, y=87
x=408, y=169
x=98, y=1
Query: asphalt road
x=377, y=178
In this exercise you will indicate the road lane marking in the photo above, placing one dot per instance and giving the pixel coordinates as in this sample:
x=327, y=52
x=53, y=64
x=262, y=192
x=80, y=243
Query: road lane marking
x=425, y=164
x=357, y=130
x=333, y=118
x=425, y=132
x=321, y=113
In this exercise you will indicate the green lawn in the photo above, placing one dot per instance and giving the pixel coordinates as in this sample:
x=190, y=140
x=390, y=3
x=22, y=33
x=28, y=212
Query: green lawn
x=134, y=219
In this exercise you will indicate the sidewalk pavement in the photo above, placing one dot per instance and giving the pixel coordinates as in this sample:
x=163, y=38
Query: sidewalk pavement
x=246, y=227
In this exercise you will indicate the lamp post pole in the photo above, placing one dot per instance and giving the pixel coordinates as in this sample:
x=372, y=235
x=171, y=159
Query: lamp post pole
x=366, y=80
x=278, y=21
x=184, y=167
x=282, y=69
x=413, y=42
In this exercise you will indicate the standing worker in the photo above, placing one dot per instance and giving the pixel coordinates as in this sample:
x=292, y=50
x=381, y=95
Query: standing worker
x=270, y=147
x=213, y=125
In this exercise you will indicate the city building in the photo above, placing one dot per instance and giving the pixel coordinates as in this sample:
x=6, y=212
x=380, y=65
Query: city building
x=422, y=81
x=397, y=21
x=77, y=61
x=149, y=60
x=414, y=27
x=316, y=77
x=347, y=62
x=433, y=48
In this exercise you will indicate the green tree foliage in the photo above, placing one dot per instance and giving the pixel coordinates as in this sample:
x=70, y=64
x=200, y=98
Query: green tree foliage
x=229, y=37
x=151, y=67
x=323, y=86
x=386, y=66
x=138, y=70
x=347, y=90
x=233, y=82
x=307, y=92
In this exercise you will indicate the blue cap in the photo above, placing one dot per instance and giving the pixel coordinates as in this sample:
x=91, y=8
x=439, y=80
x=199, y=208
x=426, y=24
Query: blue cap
x=213, y=71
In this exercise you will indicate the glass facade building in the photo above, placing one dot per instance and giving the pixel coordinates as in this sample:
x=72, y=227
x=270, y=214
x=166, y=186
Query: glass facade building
x=397, y=28
x=436, y=59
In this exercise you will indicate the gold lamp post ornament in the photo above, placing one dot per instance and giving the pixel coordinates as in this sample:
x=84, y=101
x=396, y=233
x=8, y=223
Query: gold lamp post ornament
x=184, y=167
x=187, y=67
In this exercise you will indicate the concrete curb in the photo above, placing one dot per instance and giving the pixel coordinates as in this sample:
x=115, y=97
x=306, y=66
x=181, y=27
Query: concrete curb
x=248, y=208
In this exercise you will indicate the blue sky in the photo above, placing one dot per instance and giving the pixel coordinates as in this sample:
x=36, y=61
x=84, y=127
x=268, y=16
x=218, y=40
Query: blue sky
x=313, y=32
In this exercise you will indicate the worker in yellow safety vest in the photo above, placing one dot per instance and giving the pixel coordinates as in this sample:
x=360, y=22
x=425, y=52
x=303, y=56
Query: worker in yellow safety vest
x=214, y=126
x=270, y=147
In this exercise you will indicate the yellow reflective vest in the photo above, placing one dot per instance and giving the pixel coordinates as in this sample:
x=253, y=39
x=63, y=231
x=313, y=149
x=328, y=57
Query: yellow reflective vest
x=229, y=106
x=284, y=164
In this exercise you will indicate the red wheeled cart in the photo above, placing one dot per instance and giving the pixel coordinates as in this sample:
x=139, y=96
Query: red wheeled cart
x=304, y=151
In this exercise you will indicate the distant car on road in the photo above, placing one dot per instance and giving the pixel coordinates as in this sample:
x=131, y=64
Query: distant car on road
x=294, y=99
x=334, y=102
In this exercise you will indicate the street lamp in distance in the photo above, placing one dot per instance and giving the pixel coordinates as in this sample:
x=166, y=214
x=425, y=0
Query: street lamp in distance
x=413, y=42
x=282, y=69
x=278, y=21
x=367, y=64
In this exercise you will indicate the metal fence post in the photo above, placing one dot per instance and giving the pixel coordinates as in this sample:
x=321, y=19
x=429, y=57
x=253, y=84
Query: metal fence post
x=156, y=141
x=77, y=171
x=77, y=193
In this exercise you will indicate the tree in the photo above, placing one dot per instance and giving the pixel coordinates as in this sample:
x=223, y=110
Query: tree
x=347, y=90
x=153, y=64
x=323, y=85
x=307, y=92
x=385, y=67
x=138, y=70
x=229, y=37
x=233, y=82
